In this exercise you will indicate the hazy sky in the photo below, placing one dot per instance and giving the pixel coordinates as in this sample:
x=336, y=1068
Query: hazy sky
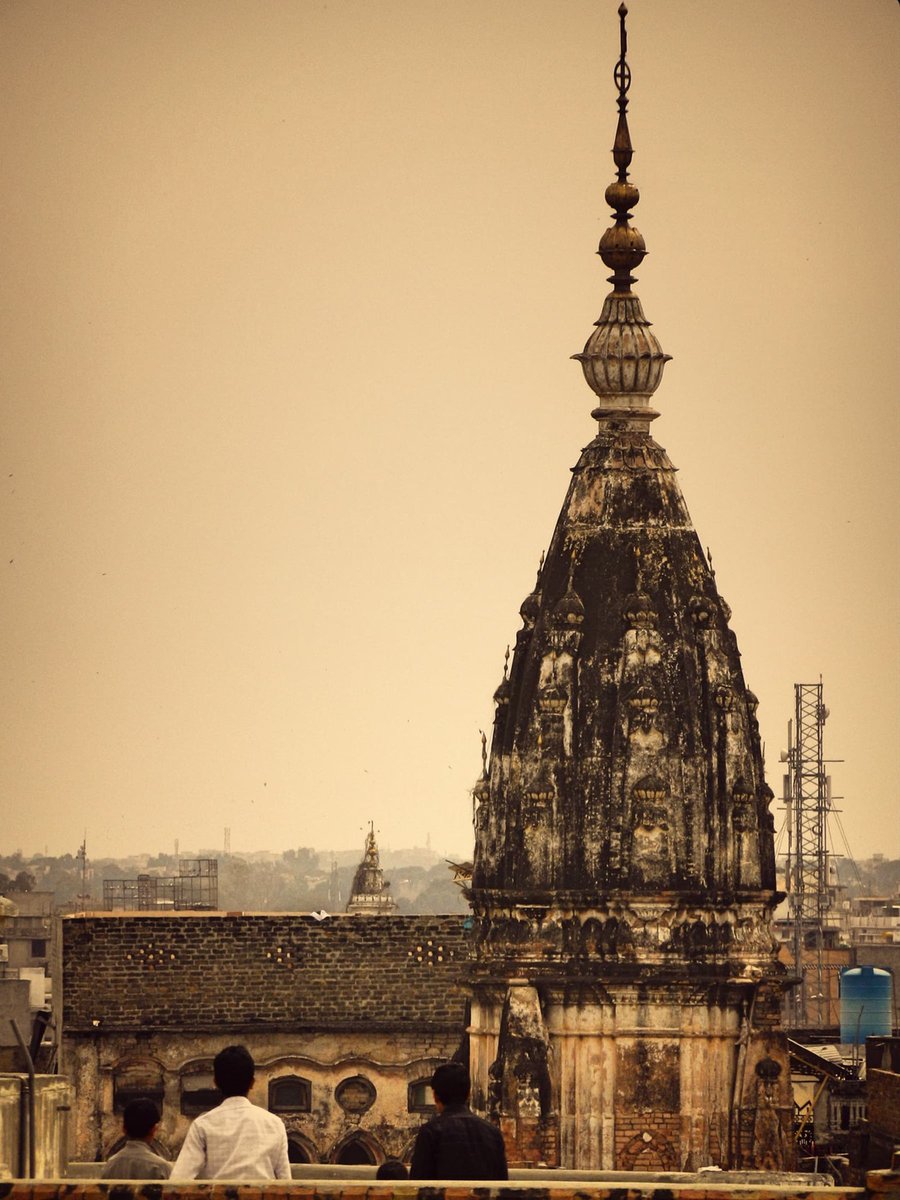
x=288, y=292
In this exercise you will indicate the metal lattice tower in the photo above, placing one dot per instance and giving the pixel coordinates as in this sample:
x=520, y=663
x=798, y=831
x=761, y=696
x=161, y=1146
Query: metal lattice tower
x=807, y=801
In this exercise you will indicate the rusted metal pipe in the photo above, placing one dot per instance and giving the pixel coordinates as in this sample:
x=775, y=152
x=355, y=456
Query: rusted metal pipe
x=29, y=1066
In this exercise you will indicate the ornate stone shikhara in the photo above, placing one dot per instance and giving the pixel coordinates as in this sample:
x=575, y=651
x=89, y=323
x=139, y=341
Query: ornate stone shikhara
x=625, y=988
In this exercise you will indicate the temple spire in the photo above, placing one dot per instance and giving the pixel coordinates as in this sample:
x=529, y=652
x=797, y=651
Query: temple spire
x=623, y=880
x=370, y=893
x=623, y=361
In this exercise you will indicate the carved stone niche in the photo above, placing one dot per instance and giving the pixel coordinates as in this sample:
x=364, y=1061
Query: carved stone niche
x=643, y=706
x=744, y=823
x=766, y=1108
x=640, y=612
x=743, y=806
x=482, y=816
x=652, y=857
x=704, y=612
x=604, y=939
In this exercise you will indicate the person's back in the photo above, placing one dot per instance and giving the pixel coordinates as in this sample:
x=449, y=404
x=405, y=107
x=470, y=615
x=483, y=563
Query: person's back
x=457, y=1144
x=137, y=1159
x=236, y=1140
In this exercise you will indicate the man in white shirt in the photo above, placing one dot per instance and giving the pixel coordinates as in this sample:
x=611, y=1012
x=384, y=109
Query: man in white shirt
x=237, y=1140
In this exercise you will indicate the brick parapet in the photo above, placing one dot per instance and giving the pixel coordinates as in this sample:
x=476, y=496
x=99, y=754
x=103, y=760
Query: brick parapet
x=278, y=971
x=880, y=1184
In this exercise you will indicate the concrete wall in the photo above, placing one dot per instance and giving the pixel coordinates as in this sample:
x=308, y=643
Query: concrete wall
x=54, y=1097
x=14, y=1005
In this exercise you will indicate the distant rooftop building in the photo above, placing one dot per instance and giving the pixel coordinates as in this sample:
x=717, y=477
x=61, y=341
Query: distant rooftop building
x=194, y=888
x=370, y=893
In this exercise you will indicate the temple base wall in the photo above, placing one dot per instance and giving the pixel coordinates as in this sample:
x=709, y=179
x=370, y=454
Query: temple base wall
x=642, y=1080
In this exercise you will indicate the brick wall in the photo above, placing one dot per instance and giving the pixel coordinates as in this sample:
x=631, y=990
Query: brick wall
x=140, y=971
x=883, y=1102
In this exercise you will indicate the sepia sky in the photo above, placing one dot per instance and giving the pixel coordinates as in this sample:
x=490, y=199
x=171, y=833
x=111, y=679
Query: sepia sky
x=288, y=291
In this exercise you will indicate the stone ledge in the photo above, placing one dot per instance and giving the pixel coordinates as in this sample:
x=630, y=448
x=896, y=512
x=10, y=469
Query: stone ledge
x=880, y=1184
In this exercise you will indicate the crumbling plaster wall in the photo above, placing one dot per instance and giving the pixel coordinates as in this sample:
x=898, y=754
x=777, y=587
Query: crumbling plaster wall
x=389, y=1062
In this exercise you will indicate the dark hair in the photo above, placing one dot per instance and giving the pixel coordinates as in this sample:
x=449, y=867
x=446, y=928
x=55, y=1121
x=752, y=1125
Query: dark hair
x=450, y=1083
x=233, y=1071
x=392, y=1168
x=139, y=1117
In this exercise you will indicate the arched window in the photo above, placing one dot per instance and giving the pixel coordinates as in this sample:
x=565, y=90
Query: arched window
x=297, y=1152
x=198, y=1090
x=355, y=1153
x=136, y=1080
x=419, y=1097
x=290, y=1094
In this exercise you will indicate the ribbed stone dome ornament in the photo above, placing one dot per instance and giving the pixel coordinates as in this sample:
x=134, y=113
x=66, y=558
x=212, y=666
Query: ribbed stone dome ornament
x=622, y=360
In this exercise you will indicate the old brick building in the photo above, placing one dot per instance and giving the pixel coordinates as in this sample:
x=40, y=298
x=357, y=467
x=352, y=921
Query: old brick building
x=626, y=988
x=346, y=1018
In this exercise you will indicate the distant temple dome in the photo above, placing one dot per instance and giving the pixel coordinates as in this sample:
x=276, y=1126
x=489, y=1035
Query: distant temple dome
x=370, y=892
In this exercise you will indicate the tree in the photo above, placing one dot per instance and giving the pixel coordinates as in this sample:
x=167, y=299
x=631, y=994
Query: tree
x=23, y=882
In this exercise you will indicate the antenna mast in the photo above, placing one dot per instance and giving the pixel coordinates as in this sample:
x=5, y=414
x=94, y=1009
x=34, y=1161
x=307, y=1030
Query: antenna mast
x=807, y=800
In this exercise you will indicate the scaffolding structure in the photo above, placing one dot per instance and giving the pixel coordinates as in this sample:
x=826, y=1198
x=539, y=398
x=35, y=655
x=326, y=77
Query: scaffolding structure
x=194, y=888
x=807, y=799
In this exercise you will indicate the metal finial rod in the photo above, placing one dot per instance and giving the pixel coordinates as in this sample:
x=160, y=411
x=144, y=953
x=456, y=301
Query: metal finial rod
x=622, y=72
x=622, y=151
x=622, y=248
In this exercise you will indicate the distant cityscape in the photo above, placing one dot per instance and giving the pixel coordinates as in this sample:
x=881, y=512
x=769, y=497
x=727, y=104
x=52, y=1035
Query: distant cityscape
x=296, y=880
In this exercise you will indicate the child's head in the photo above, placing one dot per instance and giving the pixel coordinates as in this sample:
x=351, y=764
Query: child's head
x=140, y=1118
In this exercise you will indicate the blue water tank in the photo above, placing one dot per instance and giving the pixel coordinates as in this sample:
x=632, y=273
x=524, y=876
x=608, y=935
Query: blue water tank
x=866, y=996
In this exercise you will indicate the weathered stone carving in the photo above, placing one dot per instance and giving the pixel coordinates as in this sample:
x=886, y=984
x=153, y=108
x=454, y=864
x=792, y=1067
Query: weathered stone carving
x=623, y=840
x=520, y=1090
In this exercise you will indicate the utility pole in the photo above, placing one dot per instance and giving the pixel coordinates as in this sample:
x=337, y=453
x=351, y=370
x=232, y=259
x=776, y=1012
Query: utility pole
x=82, y=855
x=334, y=888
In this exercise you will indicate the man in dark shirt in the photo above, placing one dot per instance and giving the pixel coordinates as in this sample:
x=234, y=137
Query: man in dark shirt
x=456, y=1144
